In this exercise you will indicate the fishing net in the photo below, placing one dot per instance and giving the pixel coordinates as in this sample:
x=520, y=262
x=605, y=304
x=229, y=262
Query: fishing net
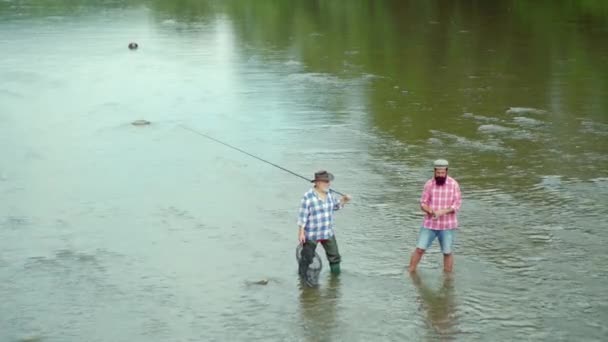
x=309, y=273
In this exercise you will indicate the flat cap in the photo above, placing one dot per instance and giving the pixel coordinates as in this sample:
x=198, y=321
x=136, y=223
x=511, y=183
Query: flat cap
x=439, y=163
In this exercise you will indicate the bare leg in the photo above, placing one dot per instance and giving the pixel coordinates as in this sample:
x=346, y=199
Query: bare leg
x=416, y=256
x=448, y=262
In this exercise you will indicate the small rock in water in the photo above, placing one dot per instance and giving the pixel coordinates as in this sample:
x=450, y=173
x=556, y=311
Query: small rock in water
x=133, y=46
x=525, y=110
x=140, y=122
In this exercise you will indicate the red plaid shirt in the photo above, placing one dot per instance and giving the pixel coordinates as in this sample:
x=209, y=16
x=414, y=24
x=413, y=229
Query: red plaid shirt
x=441, y=197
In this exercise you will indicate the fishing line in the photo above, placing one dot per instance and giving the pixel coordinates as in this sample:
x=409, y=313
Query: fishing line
x=251, y=155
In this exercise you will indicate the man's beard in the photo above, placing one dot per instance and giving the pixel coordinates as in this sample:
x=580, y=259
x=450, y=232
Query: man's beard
x=440, y=180
x=322, y=188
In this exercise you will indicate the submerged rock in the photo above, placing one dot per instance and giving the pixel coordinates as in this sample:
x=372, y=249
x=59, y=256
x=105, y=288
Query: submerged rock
x=258, y=282
x=140, y=123
x=133, y=46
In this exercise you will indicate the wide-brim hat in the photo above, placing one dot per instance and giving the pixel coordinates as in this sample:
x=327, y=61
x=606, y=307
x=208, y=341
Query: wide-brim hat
x=323, y=176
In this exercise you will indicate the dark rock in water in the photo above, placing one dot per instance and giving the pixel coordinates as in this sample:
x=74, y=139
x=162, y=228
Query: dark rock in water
x=140, y=122
x=133, y=46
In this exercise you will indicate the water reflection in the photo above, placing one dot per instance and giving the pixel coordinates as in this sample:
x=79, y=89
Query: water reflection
x=438, y=68
x=439, y=306
x=318, y=310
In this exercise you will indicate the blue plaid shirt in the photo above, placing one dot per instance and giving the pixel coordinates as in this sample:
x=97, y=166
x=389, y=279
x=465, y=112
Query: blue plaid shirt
x=317, y=216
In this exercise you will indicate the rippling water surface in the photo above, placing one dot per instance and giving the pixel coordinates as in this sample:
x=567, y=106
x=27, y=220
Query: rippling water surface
x=111, y=232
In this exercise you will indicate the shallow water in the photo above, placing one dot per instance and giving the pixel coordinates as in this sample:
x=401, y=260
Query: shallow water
x=115, y=232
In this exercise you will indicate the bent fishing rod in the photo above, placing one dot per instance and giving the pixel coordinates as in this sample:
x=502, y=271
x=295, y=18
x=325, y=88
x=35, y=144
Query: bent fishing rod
x=251, y=155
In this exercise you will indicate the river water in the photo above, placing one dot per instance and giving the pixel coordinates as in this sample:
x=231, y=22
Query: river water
x=115, y=232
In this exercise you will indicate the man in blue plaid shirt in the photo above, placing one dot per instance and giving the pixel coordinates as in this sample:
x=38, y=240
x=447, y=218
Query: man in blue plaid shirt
x=316, y=223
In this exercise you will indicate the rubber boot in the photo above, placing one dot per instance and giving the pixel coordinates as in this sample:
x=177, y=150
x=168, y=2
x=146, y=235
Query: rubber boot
x=334, y=268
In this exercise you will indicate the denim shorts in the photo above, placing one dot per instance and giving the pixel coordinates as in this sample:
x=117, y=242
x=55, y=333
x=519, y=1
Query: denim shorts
x=445, y=237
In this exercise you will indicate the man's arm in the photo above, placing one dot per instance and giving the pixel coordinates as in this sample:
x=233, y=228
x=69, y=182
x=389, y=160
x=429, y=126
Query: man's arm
x=301, y=235
x=342, y=202
x=427, y=209
x=457, y=202
x=424, y=200
x=302, y=220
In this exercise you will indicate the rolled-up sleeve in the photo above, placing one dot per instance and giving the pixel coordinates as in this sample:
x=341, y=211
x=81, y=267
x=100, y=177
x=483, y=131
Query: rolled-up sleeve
x=303, y=213
x=337, y=204
x=457, y=201
x=426, y=194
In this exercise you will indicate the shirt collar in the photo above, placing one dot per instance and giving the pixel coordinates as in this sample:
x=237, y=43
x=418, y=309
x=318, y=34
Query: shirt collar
x=316, y=195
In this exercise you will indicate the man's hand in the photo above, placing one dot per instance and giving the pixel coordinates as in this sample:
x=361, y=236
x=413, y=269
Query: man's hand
x=427, y=210
x=301, y=236
x=345, y=199
x=442, y=212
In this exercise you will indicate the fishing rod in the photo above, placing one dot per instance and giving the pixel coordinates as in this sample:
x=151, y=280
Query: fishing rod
x=251, y=155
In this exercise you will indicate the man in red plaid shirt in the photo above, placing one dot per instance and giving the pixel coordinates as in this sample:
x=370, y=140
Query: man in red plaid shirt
x=440, y=202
